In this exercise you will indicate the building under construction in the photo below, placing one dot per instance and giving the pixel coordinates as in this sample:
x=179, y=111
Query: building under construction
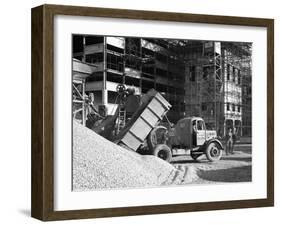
x=199, y=78
x=218, y=85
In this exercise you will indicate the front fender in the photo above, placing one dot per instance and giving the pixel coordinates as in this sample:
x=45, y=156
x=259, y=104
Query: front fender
x=214, y=140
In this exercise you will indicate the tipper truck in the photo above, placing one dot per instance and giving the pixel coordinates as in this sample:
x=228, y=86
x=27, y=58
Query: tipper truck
x=143, y=131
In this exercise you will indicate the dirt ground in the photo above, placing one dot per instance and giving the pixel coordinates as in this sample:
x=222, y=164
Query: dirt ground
x=231, y=168
x=101, y=164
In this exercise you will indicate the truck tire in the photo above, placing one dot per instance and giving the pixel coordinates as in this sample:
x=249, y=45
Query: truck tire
x=156, y=137
x=162, y=151
x=213, y=152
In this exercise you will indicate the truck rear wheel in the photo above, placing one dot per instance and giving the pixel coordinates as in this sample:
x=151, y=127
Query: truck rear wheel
x=162, y=151
x=156, y=136
x=213, y=152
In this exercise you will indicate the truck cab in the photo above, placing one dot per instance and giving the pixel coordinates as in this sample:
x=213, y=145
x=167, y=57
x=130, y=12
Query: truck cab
x=201, y=133
x=188, y=137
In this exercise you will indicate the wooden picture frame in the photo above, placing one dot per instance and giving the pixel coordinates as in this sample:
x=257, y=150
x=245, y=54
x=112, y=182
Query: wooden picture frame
x=42, y=112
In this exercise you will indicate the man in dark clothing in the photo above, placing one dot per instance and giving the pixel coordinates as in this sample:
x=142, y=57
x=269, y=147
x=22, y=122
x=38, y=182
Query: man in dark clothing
x=229, y=141
x=132, y=102
x=234, y=137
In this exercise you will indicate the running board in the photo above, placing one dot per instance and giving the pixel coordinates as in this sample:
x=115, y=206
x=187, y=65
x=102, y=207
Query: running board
x=183, y=151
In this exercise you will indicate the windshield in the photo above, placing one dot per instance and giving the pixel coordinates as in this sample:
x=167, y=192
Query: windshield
x=200, y=125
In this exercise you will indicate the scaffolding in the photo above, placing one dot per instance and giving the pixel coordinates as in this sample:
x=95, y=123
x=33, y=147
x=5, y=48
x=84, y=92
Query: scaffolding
x=139, y=63
x=80, y=72
x=210, y=79
x=240, y=60
x=217, y=76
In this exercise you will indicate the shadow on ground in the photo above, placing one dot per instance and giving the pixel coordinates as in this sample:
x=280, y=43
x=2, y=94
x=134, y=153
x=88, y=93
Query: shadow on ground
x=244, y=159
x=237, y=174
x=247, y=151
x=184, y=161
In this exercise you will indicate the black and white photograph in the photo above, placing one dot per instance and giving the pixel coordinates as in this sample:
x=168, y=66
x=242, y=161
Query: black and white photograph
x=151, y=112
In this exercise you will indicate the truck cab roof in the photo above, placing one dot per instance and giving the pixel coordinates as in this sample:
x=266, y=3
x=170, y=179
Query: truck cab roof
x=191, y=118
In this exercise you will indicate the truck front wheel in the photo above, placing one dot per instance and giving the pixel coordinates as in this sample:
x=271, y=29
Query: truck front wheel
x=213, y=152
x=163, y=151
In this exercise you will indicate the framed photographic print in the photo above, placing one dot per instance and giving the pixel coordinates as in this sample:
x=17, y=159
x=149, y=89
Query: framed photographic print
x=141, y=112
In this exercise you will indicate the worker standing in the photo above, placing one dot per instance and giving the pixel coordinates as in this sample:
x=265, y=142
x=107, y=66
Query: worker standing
x=229, y=141
x=234, y=137
x=91, y=110
x=132, y=103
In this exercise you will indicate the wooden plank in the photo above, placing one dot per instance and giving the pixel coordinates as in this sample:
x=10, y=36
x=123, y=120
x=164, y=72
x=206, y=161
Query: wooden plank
x=37, y=200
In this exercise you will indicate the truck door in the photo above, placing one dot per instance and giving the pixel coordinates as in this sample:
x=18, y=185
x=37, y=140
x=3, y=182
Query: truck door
x=201, y=132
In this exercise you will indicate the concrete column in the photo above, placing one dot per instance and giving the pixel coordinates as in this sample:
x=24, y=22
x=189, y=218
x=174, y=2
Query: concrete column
x=104, y=97
x=224, y=128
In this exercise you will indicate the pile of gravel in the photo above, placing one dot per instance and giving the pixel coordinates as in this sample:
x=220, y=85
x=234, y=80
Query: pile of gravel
x=101, y=164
